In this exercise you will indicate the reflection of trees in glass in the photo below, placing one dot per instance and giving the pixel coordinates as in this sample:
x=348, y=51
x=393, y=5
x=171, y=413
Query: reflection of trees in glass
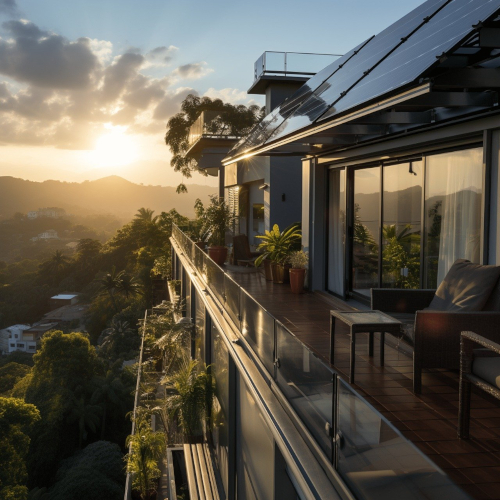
x=365, y=250
x=401, y=252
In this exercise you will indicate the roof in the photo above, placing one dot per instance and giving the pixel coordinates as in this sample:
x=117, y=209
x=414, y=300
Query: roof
x=422, y=62
x=63, y=296
x=66, y=313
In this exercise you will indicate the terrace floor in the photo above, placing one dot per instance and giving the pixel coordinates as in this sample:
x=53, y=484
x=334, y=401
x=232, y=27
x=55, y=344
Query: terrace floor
x=429, y=420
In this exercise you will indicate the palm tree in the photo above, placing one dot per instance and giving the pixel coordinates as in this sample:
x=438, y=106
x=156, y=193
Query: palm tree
x=128, y=285
x=109, y=390
x=86, y=415
x=146, y=449
x=145, y=215
x=56, y=263
x=189, y=398
x=109, y=284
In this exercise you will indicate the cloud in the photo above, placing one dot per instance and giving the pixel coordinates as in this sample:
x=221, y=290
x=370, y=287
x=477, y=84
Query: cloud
x=63, y=93
x=8, y=7
x=234, y=96
x=45, y=60
x=171, y=103
x=161, y=56
x=192, y=71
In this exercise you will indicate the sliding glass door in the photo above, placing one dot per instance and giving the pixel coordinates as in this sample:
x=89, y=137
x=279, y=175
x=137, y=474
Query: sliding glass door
x=365, y=243
x=409, y=221
x=402, y=227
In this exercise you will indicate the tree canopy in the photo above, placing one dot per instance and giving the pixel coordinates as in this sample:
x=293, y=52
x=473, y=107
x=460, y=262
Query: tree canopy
x=232, y=120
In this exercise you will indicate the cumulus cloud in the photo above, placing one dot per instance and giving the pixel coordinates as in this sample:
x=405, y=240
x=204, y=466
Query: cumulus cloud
x=192, y=71
x=161, y=56
x=39, y=58
x=171, y=103
x=234, y=96
x=62, y=92
x=8, y=7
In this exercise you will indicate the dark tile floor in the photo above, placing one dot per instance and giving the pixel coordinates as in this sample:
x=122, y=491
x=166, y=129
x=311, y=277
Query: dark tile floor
x=429, y=420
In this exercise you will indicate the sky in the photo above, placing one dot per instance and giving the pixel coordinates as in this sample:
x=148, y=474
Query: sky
x=87, y=87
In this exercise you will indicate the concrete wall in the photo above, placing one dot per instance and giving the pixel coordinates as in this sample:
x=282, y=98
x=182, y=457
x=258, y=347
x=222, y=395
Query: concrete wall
x=285, y=191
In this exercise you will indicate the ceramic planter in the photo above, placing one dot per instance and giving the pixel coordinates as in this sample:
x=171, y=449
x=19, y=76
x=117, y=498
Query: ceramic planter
x=268, y=272
x=278, y=272
x=218, y=254
x=297, y=278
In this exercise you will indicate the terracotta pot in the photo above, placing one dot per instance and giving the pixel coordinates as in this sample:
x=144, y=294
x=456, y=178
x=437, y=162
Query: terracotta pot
x=297, y=278
x=218, y=254
x=278, y=272
x=268, y=272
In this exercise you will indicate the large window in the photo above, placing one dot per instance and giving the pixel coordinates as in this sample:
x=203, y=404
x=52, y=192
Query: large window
x=401, y=228
x=395, y=241
x=453, y=198
x=365, y=245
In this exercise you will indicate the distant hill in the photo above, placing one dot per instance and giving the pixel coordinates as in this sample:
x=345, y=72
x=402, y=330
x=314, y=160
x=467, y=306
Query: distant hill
x=113, y=195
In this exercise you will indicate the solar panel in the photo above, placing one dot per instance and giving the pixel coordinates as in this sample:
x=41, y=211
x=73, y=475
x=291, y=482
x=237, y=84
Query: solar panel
x=261, y=131
x=410, y=60
x=339, y=83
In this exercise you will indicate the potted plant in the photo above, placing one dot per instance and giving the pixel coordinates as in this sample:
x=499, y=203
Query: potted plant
x=217, y=218
x=276, y=246
x=298, y=260
x=198, y=227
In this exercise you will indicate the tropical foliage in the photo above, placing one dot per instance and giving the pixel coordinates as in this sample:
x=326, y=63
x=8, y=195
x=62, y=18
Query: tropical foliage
x=232, y=120
x=276, y=245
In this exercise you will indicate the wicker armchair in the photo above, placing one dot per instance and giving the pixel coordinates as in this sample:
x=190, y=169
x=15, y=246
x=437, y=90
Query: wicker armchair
x=478, y=367
x=434, y=336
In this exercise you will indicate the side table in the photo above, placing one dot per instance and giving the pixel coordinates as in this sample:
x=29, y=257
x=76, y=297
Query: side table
x=363, y=322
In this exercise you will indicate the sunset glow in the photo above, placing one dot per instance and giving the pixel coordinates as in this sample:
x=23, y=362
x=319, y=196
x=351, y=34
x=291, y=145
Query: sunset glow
x=115, y=148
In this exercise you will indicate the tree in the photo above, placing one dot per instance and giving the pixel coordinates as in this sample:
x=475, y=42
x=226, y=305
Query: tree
x=95, y=473
x=146, y=449
x=10, y=374
x=86, y=415
x=56, y=263
x=229, y=119
x=16, y=421
x=110, y=390
x=190, y=391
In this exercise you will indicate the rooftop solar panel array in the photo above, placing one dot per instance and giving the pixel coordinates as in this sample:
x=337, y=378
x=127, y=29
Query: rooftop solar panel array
x=397, y=56
x=409, y=61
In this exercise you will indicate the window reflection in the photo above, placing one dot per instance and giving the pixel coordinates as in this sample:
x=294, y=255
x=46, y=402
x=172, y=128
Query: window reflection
x=401, y=229
x=366, y=227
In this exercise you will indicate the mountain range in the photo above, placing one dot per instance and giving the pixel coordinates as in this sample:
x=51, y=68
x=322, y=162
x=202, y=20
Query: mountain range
x=111, y=195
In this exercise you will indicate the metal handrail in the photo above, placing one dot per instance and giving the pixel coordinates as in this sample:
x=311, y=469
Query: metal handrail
x=128, y=481
x=263, y=64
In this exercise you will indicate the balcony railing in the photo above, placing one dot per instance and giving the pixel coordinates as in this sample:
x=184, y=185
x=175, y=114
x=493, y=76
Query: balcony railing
x=374, y=459
x=209, y=125
x=299, y=64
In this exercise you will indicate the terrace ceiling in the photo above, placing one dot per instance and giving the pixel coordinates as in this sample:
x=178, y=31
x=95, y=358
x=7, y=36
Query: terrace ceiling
x=439, y=61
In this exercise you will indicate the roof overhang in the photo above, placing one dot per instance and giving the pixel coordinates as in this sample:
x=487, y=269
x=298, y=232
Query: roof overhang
x=414, y=107
x=211, y=141
x=260, y=85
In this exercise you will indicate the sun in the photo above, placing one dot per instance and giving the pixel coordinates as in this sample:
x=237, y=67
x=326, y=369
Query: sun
x=115, y=148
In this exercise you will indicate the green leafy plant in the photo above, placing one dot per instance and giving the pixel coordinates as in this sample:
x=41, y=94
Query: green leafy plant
x=277, y=245
x=298, y=259
x=217, y=220
x=189, y=397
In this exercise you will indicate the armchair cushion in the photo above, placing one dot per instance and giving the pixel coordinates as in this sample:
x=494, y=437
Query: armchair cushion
x=487, y=369
x=466, y=287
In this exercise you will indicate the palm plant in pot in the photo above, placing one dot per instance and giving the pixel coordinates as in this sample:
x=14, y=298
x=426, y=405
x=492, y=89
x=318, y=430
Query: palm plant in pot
x=298, y=260
x=218, y=219
x=276, y=246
